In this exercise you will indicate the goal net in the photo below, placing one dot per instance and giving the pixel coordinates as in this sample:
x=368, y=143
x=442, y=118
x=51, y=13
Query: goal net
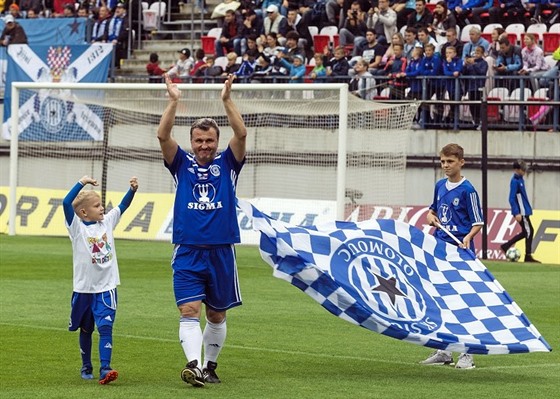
x=309, y=145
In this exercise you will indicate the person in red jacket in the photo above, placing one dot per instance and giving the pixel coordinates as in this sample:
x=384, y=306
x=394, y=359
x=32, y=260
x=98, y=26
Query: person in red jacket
x=154, y=70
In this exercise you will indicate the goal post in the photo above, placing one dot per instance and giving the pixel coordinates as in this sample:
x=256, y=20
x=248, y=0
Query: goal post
x=310, y=142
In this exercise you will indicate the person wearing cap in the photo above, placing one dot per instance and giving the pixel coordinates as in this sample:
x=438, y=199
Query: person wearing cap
x=521, y=210
x=274, y=22
x=13, y=32
x=13, y=10
x=296, y=69
x=117, y=33
x=182, y=68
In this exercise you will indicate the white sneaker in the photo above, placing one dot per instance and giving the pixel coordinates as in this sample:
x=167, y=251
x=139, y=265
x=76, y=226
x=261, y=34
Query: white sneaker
x=465, y=361
x=438, y=358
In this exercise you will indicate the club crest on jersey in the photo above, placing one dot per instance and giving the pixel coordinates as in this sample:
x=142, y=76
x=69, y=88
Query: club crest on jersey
x=384, y=282
x=455, y=201
x=444, y=214
x=215, y=170
x=204, y=194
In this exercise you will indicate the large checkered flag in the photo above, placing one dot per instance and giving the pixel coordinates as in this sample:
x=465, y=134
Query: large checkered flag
x=390, y=277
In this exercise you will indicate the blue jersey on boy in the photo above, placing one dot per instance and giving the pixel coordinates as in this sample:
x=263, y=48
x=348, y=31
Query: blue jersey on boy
x=205, y=199
x=458, y=209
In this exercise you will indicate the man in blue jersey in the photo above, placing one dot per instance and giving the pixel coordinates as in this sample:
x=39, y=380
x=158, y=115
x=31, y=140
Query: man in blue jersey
x=521, y=210
x=456, y=207
x=205, y=230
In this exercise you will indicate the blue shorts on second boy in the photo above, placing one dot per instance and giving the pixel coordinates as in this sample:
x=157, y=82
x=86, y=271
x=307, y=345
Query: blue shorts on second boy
x=89, y=310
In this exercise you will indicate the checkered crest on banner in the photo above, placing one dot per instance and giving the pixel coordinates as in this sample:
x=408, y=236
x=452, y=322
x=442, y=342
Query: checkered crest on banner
x=391, y=278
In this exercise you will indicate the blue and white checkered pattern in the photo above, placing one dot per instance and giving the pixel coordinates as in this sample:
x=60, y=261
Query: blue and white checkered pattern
x=390, y=277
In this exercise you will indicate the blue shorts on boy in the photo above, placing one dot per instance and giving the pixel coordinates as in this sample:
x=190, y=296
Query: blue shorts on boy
x=89, y=310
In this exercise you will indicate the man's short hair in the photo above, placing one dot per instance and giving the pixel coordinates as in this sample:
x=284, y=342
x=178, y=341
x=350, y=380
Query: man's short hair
x=520, y=164
x=205, y=124
x=504, y=41
x=292, y=35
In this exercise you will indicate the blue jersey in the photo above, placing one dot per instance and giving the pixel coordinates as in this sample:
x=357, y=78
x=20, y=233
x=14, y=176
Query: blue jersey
x=458, y=209
x=204, y=212
x=518, y=197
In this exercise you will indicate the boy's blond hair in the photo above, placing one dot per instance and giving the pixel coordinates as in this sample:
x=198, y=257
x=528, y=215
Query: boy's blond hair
x=83, y=198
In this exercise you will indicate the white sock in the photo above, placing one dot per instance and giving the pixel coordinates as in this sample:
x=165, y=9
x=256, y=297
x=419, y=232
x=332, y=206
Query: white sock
x=214, y=338
x=190, y=336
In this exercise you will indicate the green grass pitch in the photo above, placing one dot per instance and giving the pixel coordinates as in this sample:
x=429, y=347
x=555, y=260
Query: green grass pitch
x=281, y=344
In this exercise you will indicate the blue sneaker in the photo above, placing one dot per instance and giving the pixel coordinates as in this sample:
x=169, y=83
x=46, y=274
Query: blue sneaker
x=107, y=375
x=87, y=372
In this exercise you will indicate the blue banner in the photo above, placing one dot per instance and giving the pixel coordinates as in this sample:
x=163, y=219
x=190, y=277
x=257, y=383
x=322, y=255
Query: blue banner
x=69, y=31
x=56, y=115
x=391, y=278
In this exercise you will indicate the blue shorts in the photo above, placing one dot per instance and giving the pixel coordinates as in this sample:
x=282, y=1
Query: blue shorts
x=206, y=274
x=88, y=309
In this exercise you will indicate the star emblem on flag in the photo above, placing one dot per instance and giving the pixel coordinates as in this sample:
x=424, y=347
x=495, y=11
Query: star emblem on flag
x=388, y=286
x=74, y=26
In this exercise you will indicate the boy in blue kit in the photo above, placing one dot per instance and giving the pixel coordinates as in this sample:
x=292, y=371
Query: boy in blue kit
x=96, y=271
x=521, y=210
x=205, y=230
x=456, y=207
x=452, y=67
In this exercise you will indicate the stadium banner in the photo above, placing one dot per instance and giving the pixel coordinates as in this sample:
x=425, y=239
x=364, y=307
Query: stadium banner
x=391, y=278
x=39, y=213
x=55, y=115
x=62, y=31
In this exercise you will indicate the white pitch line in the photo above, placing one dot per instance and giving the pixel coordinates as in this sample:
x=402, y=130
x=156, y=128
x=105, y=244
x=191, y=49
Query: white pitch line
x=282, y=351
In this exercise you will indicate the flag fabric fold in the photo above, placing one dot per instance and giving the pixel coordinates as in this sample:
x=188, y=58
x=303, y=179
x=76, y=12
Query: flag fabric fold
x=391, y=278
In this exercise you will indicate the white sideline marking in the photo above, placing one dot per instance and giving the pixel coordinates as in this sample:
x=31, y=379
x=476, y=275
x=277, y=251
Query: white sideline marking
x=287, y=352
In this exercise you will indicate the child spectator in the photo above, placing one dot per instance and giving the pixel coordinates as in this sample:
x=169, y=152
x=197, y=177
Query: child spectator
x=199, y=56
x=452, y=68
x=263, y=69
x=296, y=70
x=395, y=70
x=338, y=66
x=96, y=272
x=181, y=70
x=432, y=69
x=154, y=70
x=209, y=70
x=413, y=70
x=232, y=66
x=319, y=72
x=474, y=87
x=362, y=84
x=533, y=60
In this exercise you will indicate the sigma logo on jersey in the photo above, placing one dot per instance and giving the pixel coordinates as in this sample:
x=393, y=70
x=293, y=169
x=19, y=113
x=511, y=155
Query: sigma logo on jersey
x=385, y=283
x=205, y=194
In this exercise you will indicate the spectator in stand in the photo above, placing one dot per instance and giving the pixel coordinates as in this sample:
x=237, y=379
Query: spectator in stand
x=117, y=33
x=230, y=39
x=475, y=40
x=275, y=23
x=452, y=40
x=232, y=66
x=30, y=5
x=271, y=46
x=475, y=87
x=101, y=25
x=13, y=10
x=252, y=26
x=263, y=69
x=209, y=70
x=532, y=57
x=292, y=48
x=507, y=12
x=403, y=8
x=296, y=68
x=509, y=63
x=397, y=38
x=319, y=72
x=13, y=33
x=267, y=3
x=410, y=41
x=32, y=14
x=69, y=11
x=334, y=10
x=492, y=56
x=443, y=20
x=300, y=25
x=371, y=51
x=154, y=70
x=421, y=17
x=476, y=12
x=452, y=68
x=362, y=84
x=395, y=70
x=432, y=67
x=338, y=66
x=247, y=67
x=181, y=70
x=548, y=78
x=383, y=20
x=355, y=27
x=199, y=61
x=463, y=11
x=413, y=70
x=425, y=38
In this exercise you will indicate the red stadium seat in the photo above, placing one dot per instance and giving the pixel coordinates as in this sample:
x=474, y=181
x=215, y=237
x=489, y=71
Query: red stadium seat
x=512, y=37
x=551, y=41
x=208, y=44
x=533, y=109
x=320, y=41
x=431, y=7
x=308, y=69
x=493, y=111
x=487, y=36
x=336, y=40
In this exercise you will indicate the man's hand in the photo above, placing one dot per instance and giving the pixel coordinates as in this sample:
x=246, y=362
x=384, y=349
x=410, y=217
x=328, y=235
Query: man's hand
x=172, y=90
x=226, y=91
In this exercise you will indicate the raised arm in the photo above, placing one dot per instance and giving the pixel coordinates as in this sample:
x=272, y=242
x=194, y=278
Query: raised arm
x=238, y=141
x=72, y=194
x=127, y=199
x=167, y=143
